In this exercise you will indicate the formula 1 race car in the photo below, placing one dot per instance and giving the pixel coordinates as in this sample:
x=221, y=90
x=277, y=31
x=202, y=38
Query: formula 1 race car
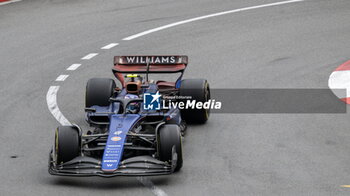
x=137, y=130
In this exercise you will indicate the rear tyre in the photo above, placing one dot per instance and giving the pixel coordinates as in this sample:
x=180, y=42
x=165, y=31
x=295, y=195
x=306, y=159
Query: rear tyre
x=199, y=90
x=98, y=91
x=67, y=143
x=169, y=136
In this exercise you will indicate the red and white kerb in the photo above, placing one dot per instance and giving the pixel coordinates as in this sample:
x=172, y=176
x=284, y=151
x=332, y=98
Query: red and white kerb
x=340, y=79
x=4, y=2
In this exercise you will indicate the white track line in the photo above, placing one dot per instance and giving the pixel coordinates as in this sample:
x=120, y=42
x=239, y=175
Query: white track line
x=51, y=100
x=109, y=46
x=207, y=16
x=52, y=93
x=149, y=184
x=7, y=2
x=61, y=78
x=73, y=67
x=89, y=56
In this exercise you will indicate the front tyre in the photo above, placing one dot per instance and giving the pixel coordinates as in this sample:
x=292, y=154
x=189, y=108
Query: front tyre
x=168, y=136
x=67, y=144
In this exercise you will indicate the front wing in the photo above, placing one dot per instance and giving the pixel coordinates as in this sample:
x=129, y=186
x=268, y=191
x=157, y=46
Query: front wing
x=135, y=166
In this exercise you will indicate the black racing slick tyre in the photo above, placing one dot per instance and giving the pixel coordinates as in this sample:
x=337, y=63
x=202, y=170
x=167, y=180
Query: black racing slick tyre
x=98, y=91
x=67, y=143
x=169, y=136
x=197, y=89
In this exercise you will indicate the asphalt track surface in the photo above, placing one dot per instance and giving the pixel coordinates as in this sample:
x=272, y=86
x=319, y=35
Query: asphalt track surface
x=296, y=45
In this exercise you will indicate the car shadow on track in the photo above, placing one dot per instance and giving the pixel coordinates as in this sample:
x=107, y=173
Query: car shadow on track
x=102, y=183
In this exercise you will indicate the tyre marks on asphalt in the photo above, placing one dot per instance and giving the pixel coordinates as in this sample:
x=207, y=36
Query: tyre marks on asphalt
x=339, y=80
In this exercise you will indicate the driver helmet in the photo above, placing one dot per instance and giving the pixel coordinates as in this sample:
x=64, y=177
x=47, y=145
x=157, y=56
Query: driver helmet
x=133, y=107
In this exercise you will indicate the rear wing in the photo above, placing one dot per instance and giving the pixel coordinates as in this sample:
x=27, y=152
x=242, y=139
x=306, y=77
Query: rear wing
x=157, y=64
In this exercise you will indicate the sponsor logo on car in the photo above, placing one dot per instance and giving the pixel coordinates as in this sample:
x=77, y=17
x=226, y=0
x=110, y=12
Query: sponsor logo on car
x=111, y=155
x=110, y=161
x=118, y=132
x=113, y=146
x=116, y=139
x=152, y=60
